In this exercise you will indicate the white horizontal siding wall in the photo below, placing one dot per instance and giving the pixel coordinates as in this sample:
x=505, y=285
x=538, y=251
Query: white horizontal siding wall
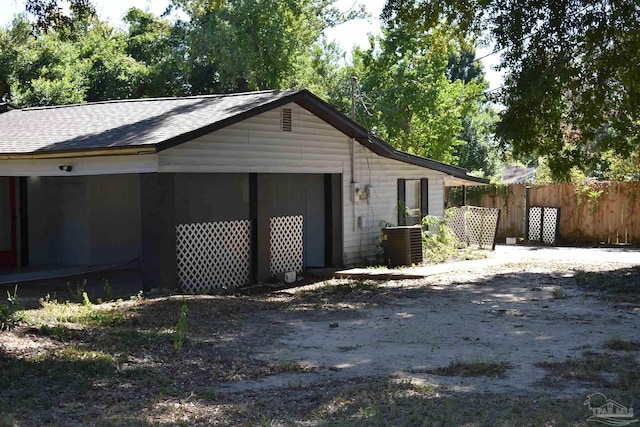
x=258, y=145
x=363, y=243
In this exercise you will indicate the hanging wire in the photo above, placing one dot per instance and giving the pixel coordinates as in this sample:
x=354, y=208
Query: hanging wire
x=361, y=96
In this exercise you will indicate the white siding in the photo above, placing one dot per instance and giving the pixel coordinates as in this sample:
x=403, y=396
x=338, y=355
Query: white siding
x=258, y=145
x=360, y=243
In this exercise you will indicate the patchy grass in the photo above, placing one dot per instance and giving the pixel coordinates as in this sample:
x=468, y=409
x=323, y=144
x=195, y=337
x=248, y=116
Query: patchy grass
x=339, y=294
x=53, y=312
x=592, y=368
x=386, y=402
x=621, y=345
x=478, y=368
x=41, y=381
x=439, y=256
x=621, y=285
x=71, y=362
x=341, y=288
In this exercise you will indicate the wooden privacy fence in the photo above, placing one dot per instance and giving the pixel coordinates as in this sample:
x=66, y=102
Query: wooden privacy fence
x=598, y=212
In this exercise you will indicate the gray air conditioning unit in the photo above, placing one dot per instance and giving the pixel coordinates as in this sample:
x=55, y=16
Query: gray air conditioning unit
x=402, y=245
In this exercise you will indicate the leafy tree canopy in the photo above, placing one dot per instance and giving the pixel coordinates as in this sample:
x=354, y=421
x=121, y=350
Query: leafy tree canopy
x=419, y=86
x=573, y=68
x=49, y=14
x=254, y=44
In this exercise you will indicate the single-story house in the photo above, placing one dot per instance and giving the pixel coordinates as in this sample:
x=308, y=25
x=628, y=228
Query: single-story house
x=205, y=191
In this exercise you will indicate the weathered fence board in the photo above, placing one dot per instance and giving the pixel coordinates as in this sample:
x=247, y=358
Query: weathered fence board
x=600, y=212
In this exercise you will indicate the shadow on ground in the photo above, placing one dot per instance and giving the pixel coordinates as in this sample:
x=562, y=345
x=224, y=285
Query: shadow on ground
x=116, y=363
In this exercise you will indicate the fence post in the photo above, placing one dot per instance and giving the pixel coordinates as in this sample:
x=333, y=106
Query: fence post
x=527, y=205
x=495, y=232
x=464, y=195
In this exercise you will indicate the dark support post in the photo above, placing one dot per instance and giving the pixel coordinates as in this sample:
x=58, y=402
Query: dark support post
x=464, y=195
x=333, y=220
x=24, y=222
x=260, y=213
x=424, y=198
x=158, y=231
x=527, y=205
x=402, y=202
x=495, y=232
x=555, y=242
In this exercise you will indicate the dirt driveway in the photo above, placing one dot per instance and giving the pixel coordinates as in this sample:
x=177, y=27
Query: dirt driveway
x=521, y=307
x=520, y=338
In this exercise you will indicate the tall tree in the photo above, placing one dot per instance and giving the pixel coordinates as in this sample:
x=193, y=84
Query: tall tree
x=49, y=14
x=223, y=46
x=51, y=68
x=252, y=44
x=416, y=106
x=480, y=151
x=40, y=70
x=572, y=71
x=110, y=73
x=160, y=47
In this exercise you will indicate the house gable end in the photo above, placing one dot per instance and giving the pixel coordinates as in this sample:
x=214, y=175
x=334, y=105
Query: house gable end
x=258, y=144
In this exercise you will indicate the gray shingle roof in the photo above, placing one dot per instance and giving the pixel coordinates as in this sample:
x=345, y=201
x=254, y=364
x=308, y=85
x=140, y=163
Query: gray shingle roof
x=117, y=124
x=160, y=123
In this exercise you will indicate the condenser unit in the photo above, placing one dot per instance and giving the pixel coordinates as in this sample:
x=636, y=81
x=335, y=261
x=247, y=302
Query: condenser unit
x=402, y=245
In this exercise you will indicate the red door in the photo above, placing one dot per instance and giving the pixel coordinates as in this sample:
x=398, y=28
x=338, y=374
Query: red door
x=8, y=252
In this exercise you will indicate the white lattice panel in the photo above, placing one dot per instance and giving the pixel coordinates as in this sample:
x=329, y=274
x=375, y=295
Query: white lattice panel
x=543, y=224
x=535, y=223
x=474, y=225
x=456, y=221
x=550, y=225
x=213, y=255
x=286, y=244
x=482, y=224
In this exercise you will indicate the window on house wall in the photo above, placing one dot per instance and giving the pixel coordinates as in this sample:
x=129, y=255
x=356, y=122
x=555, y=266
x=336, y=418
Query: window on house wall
x=413, y=201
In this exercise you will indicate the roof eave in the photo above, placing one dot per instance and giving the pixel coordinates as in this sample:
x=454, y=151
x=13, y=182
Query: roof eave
x=352, y=129
x=92, y=152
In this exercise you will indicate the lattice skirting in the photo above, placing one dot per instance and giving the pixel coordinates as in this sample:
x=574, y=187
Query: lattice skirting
x=543, y=224
x=287, y=246
x=474, y=225
x=213, y=255
x=455, y=219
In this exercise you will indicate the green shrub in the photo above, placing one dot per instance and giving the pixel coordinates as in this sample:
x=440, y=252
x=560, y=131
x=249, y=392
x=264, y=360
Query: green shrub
x=439, y=242
x=9, y=312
